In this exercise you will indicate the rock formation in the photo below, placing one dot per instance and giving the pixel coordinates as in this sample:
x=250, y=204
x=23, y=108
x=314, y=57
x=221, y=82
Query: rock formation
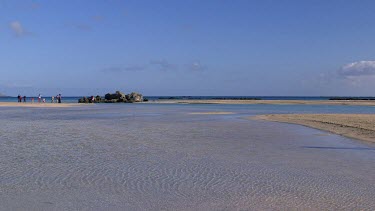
x=134, y=97
x=117, y=97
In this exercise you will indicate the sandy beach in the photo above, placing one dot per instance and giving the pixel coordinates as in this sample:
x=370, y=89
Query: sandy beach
x=39, y=105
x=357, y=126
x=274, y=102
x=211, y=113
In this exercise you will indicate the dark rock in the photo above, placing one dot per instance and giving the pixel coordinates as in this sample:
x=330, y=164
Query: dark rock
x=83, y=100
x=98, y=99
x=135, y=97
x=117, y=97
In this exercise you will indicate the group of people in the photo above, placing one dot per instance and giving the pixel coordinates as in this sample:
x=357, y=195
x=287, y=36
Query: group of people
x=20, y=98
x=58, y=99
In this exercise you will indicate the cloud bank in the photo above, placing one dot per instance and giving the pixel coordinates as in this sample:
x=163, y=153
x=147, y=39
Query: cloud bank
x=119, y=69
x=361, y=68
x=164, y=65
x=160, y=65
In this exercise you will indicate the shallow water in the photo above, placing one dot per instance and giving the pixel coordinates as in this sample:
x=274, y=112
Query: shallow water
x=154, y=157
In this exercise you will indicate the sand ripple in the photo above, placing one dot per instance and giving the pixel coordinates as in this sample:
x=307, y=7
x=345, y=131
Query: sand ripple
x=152, y=164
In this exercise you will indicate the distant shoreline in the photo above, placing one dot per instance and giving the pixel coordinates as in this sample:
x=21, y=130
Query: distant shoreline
x=212, y=101
x=270, y=102
x=38, y=105
x=356, y=126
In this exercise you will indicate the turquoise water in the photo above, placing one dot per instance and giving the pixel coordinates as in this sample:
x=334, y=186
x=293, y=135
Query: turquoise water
x=48, y=99
x=161, y=157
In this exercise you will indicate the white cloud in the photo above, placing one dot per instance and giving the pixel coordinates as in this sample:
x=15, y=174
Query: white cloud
x=161, y=65
x=196, y=66
x=358, y=74
x=164, y=65
x=120, y=69
x=361, y=68
x=17, y=29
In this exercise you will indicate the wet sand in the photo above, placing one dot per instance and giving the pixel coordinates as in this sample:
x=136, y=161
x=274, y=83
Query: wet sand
x=39, y=105
x=357, y=126
x=211, y=113
x=274, y=102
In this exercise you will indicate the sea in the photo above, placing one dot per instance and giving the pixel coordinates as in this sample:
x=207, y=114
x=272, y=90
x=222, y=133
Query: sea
x=176, y=157
x=74, y=99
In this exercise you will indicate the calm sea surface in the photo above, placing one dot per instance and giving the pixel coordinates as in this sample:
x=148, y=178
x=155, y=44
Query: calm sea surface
x=161, y=157
x=67, y=99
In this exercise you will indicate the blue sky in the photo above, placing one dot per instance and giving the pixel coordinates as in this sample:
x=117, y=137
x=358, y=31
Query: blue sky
x=209, y=47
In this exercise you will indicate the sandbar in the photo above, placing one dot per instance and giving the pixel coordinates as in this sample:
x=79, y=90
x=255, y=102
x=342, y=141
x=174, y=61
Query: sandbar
x=211, y=113
x=38, y=105
x=274, y=102
x=357, y=126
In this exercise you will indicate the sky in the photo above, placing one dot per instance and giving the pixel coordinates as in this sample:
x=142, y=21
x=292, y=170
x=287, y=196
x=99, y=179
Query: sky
x=188, y=47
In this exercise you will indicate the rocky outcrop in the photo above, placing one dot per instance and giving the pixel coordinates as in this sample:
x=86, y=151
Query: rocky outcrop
x=134, y=97
x=117, y=97
x=91, y=99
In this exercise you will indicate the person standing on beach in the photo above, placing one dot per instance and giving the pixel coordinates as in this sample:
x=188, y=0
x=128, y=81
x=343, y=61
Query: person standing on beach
x=52, y=99
x=19, y=98
x=59, y=98
x=24, y=99
x=39, y=98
